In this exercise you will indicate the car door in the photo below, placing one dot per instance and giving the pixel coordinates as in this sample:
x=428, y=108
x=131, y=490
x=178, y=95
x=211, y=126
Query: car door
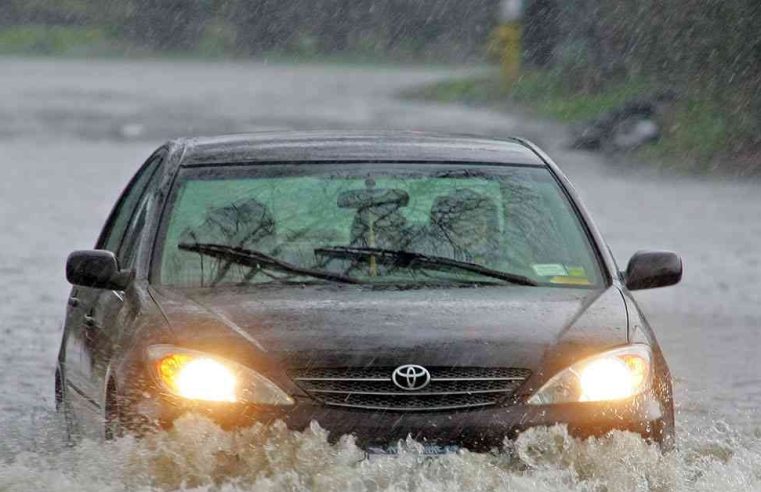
x=91, y=312
x=106, y=317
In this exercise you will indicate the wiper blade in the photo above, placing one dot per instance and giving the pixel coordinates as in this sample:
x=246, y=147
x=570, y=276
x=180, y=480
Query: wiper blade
x=408, y=258
x=257, y=259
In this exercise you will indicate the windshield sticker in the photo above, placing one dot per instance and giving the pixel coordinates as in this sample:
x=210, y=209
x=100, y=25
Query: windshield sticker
x=549, y=269
x=561, y=279
x=576, y=271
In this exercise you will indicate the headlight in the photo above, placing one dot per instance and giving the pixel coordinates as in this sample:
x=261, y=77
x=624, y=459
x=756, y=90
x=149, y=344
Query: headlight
x=198, y=376
x=613, y=375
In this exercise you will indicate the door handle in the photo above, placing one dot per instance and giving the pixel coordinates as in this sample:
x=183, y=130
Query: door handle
x=73, y=301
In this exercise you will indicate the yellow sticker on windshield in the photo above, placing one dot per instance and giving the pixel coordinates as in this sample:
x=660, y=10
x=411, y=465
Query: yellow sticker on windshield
x=576, y=271
x=565, y=279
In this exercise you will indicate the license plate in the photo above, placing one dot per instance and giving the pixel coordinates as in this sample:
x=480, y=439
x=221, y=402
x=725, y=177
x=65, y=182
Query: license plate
x=428, y=450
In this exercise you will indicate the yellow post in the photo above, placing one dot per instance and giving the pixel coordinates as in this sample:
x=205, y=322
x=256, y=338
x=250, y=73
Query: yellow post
x=511, y=49
x=507, y=42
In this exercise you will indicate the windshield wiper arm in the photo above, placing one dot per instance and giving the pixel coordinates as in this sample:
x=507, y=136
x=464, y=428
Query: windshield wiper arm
x=406, y=258
x=255, y=259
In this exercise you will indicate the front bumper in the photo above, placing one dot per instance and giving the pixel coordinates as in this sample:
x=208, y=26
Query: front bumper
x=477, y=430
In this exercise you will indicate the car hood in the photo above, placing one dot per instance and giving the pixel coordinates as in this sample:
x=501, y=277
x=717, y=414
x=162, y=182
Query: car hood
x=346, y=326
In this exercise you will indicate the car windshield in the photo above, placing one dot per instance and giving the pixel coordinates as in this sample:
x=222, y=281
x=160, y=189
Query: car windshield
x=403, y=225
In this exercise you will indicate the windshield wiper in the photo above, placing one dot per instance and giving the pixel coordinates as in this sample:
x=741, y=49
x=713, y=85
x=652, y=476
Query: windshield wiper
x=410, y=258
x=257, y=259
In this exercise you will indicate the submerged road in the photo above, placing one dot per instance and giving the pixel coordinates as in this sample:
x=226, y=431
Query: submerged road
x=72, y=132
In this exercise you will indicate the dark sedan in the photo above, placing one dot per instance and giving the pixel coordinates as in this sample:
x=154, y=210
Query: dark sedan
x=453, y=289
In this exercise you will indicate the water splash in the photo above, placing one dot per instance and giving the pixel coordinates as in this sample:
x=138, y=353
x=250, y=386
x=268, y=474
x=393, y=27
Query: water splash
x=198, y=455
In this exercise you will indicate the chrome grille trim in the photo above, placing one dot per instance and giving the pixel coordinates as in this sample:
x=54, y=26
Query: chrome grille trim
x=479, y=379
x=342, y=379
x=389, y=379
x=372, y=388
x=411, y=409
x=406, y=393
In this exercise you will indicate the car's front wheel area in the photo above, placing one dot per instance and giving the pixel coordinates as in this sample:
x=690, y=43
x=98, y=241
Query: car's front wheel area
x=112, y=421
x=71, y=433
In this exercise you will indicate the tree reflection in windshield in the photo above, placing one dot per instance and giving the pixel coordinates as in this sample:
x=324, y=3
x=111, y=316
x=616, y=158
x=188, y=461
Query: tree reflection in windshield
x=244, y=224
x=519, y=224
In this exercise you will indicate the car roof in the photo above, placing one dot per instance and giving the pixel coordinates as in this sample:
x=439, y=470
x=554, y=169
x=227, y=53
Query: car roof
x=355, y=147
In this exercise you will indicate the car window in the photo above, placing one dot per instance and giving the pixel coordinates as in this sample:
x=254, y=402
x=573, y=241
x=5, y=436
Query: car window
x=116, y=227
x=510, y=219
x=128, y=248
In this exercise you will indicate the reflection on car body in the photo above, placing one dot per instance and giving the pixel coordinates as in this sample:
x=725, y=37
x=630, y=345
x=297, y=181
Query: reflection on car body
x=448, y=288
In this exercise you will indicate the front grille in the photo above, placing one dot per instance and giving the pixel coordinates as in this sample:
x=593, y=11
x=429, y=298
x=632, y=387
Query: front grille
x=372, y=388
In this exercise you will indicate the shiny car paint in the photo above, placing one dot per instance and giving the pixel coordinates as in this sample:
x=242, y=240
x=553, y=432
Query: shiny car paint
x=103, y=375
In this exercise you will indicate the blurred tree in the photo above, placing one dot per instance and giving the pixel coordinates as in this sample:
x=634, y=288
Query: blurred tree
x=264, y=25
x=540, y=31
x=166, y=24
x=58, y=12
x=452, y=28
x=706, y=48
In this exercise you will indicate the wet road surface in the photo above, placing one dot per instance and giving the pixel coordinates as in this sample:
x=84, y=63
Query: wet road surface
x=72, y=133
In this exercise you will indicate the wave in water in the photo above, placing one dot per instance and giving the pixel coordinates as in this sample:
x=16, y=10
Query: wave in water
x=198, y=455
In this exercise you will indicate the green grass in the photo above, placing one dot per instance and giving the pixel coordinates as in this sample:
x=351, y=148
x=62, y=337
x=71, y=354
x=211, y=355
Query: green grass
x=217, y=42
x=546, y=93
x=696, y=133
x=349, y=58
x=53, y=40
x=478, y=91
x=549, y=95
x=68, y=41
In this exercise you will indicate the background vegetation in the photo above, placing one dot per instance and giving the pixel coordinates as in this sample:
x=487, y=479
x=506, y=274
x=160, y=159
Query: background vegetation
x=398, y=29
x=580, y=57
x=707, y=51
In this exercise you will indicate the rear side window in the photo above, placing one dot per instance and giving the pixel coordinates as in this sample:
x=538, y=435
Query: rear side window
x=128, y=248
x=115, y=232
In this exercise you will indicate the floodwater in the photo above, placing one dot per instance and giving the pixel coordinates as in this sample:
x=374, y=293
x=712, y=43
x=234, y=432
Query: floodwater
x=73, y=131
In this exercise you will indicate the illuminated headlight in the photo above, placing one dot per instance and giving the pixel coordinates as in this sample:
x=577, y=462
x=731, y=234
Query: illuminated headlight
x=195, y=375
x=613, y=375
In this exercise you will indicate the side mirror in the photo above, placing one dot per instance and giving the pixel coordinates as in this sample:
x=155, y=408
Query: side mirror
x=651, y=269
x=98, y=269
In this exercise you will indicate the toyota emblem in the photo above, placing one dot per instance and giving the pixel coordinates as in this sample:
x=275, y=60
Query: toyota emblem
x=411, y=377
